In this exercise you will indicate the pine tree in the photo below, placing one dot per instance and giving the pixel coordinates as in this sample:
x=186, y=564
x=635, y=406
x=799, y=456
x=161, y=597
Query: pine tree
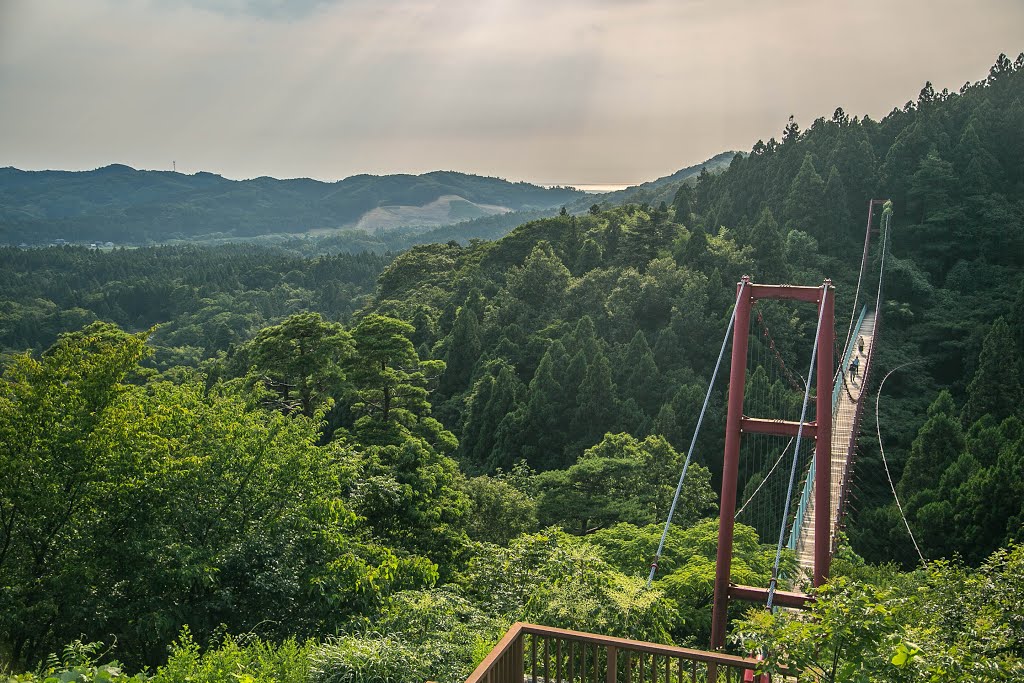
x=768, y=243
x=938, y=444
x=666, y=424
x=596, y=405
x=493, y=398
x=464, y=347
x=541, y=422
x=638, y=376
x=805, y=201
x=589, y=258
x=837, y=211
x=996, y=387
x=667, y=349
x=584, y=338
x=977, y=166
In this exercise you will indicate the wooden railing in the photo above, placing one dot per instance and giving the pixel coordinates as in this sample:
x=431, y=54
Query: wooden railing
x=540, y=654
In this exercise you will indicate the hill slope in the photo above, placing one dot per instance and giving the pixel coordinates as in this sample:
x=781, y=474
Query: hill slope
x=574, y=326
x=661, y=190
x=124, y=205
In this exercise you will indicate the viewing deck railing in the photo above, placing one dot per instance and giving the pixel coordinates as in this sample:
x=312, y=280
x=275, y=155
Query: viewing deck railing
x=534, y=654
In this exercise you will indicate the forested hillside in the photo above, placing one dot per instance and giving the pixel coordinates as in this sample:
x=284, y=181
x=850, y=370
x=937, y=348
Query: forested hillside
x=495, y=433
x=571, y=327
x=200, y=300
x=120, y=204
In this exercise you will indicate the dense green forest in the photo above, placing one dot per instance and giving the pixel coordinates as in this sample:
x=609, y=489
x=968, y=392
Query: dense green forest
x=199, y=300
x=353, y=487
x=120, y=204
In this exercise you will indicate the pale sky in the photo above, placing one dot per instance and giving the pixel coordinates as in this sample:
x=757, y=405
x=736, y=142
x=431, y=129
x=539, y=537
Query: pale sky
x=570, y=91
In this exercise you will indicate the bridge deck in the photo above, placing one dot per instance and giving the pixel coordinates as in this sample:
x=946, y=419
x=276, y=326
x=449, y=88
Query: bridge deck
x=844, y=425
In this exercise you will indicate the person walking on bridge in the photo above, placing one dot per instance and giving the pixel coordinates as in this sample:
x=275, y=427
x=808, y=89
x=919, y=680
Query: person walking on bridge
x=854, y=367
x=860, y=345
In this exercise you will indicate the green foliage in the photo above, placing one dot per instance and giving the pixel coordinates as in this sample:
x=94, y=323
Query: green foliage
x=686, y=570
x=390, y=381
x=946, y=624
x=553, y=578
x=367, y=659
x=996, y=388
x=80, y=663
x=622, y=479
x=303, y=356
x=135, y=509
x=499, y=511
x=244, y=659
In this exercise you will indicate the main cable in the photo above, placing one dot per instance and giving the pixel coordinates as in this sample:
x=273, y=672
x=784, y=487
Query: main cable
x=696, y=431
x=860, y=276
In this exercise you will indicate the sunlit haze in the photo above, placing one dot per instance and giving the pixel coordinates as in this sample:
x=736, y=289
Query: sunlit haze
x=574, y=92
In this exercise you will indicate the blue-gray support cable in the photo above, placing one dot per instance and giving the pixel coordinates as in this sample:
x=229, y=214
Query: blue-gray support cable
x=796, y=454
x=696, y=431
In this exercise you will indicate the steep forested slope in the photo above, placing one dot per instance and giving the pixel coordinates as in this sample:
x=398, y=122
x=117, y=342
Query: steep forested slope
x=574, y=326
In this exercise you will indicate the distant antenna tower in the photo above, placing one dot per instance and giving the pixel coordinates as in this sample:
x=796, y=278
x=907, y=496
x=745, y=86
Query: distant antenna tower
x=174, y=166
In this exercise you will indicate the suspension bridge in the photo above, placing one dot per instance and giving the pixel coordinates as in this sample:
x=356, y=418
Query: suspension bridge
x=788, y=463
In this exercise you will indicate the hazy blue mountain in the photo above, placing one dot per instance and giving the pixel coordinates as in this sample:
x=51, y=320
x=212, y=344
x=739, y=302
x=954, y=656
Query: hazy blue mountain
x=124, y=205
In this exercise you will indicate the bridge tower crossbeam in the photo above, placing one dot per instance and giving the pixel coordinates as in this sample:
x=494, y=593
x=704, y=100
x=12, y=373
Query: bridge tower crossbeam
x=737, y=424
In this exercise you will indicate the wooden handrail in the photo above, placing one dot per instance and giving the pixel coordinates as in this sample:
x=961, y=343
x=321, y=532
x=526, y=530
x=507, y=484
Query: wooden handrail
x=484, y=668
x=508, y=662
x=645, y=647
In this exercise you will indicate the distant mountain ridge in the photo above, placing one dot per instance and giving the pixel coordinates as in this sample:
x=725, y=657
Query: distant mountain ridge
x=124, y=205
x=660, y=190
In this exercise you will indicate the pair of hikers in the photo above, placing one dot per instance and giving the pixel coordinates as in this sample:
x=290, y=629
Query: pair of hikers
x=855, y=363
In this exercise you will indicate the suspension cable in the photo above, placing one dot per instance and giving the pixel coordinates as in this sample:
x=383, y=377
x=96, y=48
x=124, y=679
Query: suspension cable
x=696, y=431
x=878, y=429
x=796, y=453
x=786, y=372
x=860, y=275
x=763, y=481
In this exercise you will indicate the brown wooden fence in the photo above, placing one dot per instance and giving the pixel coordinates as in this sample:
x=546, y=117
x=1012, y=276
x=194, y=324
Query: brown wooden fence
x=539, y=654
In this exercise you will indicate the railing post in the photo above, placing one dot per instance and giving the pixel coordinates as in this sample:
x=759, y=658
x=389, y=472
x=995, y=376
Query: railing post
x=612, y=674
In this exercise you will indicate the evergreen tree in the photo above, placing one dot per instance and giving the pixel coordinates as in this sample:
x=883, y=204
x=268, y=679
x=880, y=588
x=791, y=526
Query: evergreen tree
x=666, y=425
x=539, y=285
x=391, y=382
x=667, y=349
x=596, y=405
x=938, y=444
x=768, y=243
x=540, y=423
x=804, y=208
x=464, y=346
x=589, y=258
x=996, y=388
x=301, y=361
x=683, y=203
x=837, y=211
x=638, y=376
x=493, y=398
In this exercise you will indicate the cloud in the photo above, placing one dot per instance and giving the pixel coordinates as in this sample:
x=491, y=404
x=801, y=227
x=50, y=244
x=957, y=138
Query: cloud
x=268, y=9
x=571, y=91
